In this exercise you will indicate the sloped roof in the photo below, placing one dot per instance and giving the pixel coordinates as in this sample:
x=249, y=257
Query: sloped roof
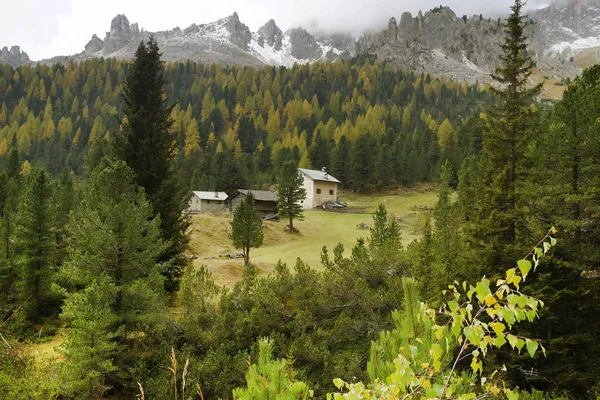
x=318, y=175
x=262, y=195
x=210, y=195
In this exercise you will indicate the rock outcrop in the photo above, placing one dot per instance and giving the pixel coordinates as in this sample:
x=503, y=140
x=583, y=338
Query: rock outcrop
x=14, y=57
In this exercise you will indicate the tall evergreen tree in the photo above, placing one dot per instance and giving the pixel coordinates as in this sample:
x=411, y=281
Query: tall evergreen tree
x=89, y=348
x=340, y=160
x=500, y=217
x=567, y=177
x=362, y=165
x=147, y=145
x=8, y=270
x=290, y=192
x=246, y=227
x=446, y=225
x=36, y=245
x=114, y=236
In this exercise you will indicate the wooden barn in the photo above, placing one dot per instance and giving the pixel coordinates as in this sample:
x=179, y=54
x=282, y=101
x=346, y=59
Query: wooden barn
x=266, y=202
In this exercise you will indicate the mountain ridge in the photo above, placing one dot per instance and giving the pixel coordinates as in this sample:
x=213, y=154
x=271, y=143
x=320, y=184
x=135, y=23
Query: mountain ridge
x=436, y=41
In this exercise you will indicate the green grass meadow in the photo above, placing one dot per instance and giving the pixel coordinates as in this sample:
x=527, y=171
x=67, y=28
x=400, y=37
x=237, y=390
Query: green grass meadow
x=317, y=229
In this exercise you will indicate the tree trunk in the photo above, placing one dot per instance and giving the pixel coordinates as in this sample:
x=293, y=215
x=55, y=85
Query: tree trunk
x=246, y=251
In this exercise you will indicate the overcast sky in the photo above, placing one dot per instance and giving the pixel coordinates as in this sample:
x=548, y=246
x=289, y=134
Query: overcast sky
x=45, y=28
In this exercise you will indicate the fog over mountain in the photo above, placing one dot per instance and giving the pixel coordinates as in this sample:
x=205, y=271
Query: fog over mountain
x=45, y=29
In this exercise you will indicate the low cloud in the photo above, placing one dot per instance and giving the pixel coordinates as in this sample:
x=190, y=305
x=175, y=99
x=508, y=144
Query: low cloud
x=60, y=27
x=32, y=24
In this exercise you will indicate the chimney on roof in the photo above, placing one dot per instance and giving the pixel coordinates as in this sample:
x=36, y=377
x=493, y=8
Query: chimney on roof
x=324, y=171
x=216, y=194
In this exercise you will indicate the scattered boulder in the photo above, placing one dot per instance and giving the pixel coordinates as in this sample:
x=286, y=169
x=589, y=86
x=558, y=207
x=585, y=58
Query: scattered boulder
x=291, y=230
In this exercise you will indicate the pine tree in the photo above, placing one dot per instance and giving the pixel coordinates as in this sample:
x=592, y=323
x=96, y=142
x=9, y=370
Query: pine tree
x=446, y=226
x=501, y=222
x=565, y=185
x=36, y=245
x=246, y=227
x=290, y=192
x=147, y=146
x=271, y=379
x=407, y=326
x=8, y=270
x=116, y=238
x=362, y=164
x=89, y=347
x=340, y=160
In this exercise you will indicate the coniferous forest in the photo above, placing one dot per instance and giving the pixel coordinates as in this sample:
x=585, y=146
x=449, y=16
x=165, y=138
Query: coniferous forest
x=498, y=298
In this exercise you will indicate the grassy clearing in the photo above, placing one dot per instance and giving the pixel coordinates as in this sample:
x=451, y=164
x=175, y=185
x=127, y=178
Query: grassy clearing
x=550, y=89
x=46, y=351
x=318, y=229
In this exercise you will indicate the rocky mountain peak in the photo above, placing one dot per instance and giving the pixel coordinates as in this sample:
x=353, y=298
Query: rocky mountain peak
x=392, y=30
x=94, y=46
x=240, y=34
x=562, y=37
x=270, y=34
x=121, y=33
x=14, y=56
x=304, y=45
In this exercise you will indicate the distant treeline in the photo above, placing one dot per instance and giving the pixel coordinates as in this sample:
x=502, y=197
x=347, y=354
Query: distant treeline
x=371, y=124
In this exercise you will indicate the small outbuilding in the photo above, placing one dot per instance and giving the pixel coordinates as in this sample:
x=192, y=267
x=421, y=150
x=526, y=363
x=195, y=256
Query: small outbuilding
x=265, y=201
x=207, y=202
x=320, y=188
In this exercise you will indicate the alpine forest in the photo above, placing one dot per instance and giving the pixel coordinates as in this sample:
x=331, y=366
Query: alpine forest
x=346, y=229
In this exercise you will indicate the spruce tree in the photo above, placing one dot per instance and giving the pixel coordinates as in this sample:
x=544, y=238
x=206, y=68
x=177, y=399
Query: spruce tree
x=246, y=227
x=500, y=217
x=290, y=192
x=147, y=145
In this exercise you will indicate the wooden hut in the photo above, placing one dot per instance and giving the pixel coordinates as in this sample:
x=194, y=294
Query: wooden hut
x=266, y=202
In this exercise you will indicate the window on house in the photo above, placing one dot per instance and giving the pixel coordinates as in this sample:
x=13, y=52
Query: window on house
x=331, y=192
x=318, y=191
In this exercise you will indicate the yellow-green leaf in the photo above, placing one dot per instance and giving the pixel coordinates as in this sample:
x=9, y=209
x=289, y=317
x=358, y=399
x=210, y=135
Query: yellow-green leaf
x=498, y=327
x=524, y=267
x=512, y=340
x=532, y=347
